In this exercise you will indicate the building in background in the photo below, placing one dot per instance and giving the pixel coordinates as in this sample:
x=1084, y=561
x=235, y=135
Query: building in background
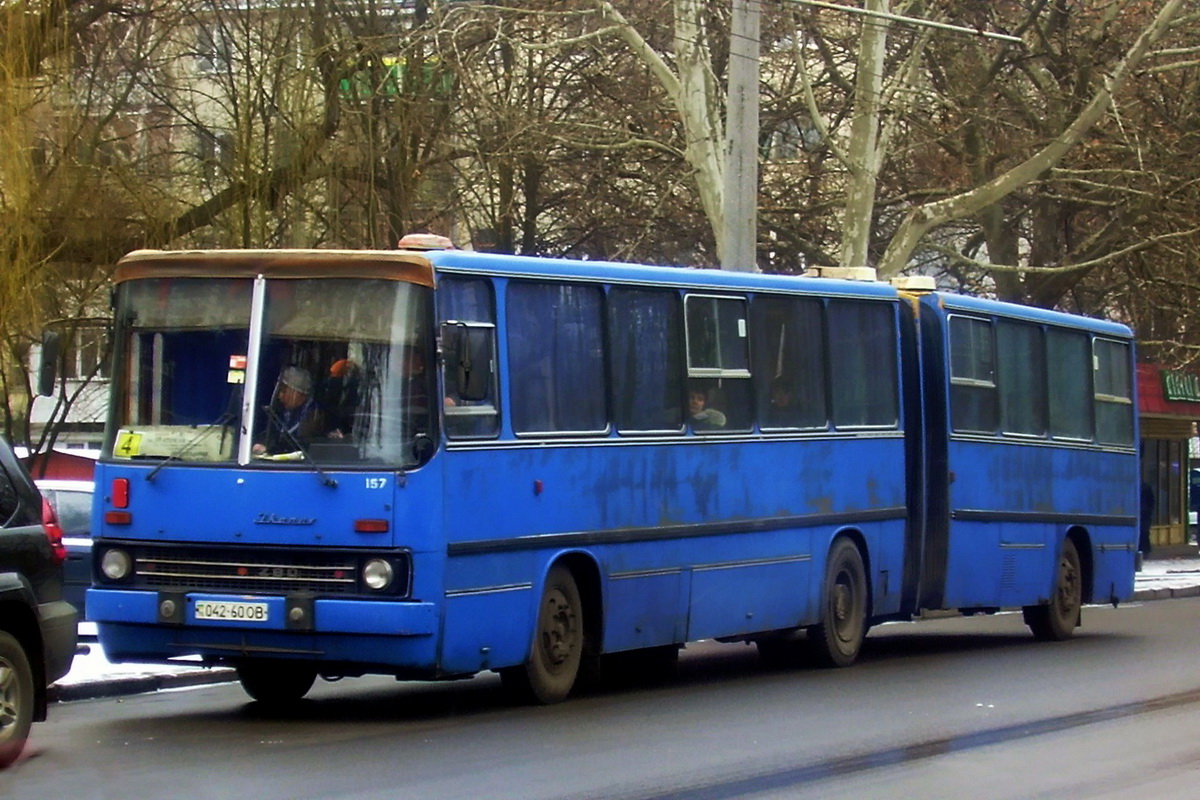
x=1169, y=408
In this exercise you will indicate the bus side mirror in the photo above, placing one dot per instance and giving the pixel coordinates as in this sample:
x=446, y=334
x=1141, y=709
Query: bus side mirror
x=47, y=378
x=468, y=356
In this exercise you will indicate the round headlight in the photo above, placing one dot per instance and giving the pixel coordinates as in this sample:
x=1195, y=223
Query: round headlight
x=378, y=574
x=116, y=565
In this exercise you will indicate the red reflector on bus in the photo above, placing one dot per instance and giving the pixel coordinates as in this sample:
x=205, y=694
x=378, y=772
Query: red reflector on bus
x=370, y=526
x=118, y=517
x=120, y=492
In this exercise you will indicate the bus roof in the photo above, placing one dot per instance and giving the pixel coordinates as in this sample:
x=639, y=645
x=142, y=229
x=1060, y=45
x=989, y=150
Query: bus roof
x=397, y=265
x=419, y=267
x=977, y=305
x=464, y=261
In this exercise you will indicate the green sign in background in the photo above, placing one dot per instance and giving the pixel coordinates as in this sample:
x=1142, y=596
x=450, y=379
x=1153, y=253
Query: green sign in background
x=1181, y=387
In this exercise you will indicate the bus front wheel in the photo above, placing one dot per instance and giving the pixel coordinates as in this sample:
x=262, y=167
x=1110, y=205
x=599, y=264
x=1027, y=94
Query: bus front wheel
x=549, y=674
x=836, y=640
x=1058, y=619
x=275, y=682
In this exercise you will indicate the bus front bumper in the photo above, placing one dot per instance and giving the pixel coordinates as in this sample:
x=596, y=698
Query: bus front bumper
x=156, y=626
x=383, y=617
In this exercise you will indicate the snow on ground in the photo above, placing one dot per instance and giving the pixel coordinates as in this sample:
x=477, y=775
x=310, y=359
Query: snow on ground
x=91, y=665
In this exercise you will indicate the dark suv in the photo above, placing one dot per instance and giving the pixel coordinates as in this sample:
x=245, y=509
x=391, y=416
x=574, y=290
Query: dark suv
x=38, y=629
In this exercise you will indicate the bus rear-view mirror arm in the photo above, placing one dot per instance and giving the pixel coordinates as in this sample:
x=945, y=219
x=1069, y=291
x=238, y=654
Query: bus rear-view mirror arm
x=48, y=369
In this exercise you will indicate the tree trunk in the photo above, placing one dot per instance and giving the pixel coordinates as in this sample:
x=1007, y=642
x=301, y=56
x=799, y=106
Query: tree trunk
x=863, y=152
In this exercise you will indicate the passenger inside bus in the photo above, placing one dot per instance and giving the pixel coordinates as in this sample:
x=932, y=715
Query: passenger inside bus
x=703, y=416
x=341, y=396
x=293, y=416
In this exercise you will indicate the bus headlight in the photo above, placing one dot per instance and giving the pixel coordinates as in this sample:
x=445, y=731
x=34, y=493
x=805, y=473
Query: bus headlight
x=378, y=574
x=116, y=564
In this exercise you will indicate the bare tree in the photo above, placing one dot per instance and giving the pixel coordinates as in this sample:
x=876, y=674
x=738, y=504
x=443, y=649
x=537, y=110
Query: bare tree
x=924, y=217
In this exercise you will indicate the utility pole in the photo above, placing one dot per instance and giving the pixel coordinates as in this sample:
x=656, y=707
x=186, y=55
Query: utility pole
x=739, y=201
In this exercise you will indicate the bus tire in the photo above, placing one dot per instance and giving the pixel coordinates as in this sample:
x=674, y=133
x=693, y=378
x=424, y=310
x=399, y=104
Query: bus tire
x=275, y=683
x=1058, y=619
x=835, y=641
x=558, y=642
x=16, y=698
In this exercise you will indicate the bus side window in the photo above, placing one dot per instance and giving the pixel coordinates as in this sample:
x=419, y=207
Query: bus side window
x=1113, y=392
x=467, y=310
x=645, y=343
x=718, y=363
x=788, y=354
x=556, y=358
x=469, y=377
x=973, y=403
x=864, y=388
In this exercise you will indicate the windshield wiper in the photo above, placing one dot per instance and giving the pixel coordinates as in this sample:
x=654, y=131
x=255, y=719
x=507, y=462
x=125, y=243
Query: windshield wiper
x=291, y=438
x=221, y=422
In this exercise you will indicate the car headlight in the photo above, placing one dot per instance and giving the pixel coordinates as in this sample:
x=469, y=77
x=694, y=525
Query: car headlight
x=378, y=574
x=116, y=564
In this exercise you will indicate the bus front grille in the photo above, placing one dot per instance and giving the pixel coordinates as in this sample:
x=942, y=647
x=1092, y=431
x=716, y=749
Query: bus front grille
x=262, y=571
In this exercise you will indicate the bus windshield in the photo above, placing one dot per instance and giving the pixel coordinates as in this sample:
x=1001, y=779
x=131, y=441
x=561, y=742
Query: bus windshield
x=341, y=372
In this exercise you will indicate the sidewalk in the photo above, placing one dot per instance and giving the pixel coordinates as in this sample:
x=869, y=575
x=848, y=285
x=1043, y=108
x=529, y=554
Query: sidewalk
x=1168, y=577
x=92, y=676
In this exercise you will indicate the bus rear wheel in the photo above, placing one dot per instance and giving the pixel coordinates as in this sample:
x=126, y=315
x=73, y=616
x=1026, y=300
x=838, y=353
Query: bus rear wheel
x=1058, y=619
x=275, y=683
x=836, y=640
x=549, y=674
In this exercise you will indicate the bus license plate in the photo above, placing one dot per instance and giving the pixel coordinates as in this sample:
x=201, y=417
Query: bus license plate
x=231, y=612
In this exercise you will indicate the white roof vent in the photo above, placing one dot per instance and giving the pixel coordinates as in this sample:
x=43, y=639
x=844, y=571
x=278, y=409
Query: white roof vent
x=915, y=283
x=425, y=241
x=844, y=273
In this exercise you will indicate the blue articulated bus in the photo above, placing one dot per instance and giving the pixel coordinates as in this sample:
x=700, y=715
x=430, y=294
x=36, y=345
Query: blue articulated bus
x=429, y=464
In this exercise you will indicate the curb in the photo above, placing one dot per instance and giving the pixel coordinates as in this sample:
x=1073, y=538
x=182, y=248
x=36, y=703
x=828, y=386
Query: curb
x=137, y=684
x=1142, y=595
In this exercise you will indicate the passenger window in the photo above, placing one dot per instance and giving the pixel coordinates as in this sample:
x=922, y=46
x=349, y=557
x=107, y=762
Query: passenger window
x=718, y=364
x=862, y=368
x=556, y=358
x=466, y=308
x=788, y=350
x=1021, y=359
x=973, y=404
x=646, y=360
x=1069, y=367
x=1114, y=396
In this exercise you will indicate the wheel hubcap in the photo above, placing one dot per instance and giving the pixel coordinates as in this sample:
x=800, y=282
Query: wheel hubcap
x=1068, y=585
x=558, y=629
x=8, y=697
x=842, y=606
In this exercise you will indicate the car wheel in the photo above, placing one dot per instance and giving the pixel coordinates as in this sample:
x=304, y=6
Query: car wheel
x=16, y=698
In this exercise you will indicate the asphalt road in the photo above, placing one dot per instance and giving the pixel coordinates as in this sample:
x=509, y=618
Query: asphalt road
x=948, y=708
